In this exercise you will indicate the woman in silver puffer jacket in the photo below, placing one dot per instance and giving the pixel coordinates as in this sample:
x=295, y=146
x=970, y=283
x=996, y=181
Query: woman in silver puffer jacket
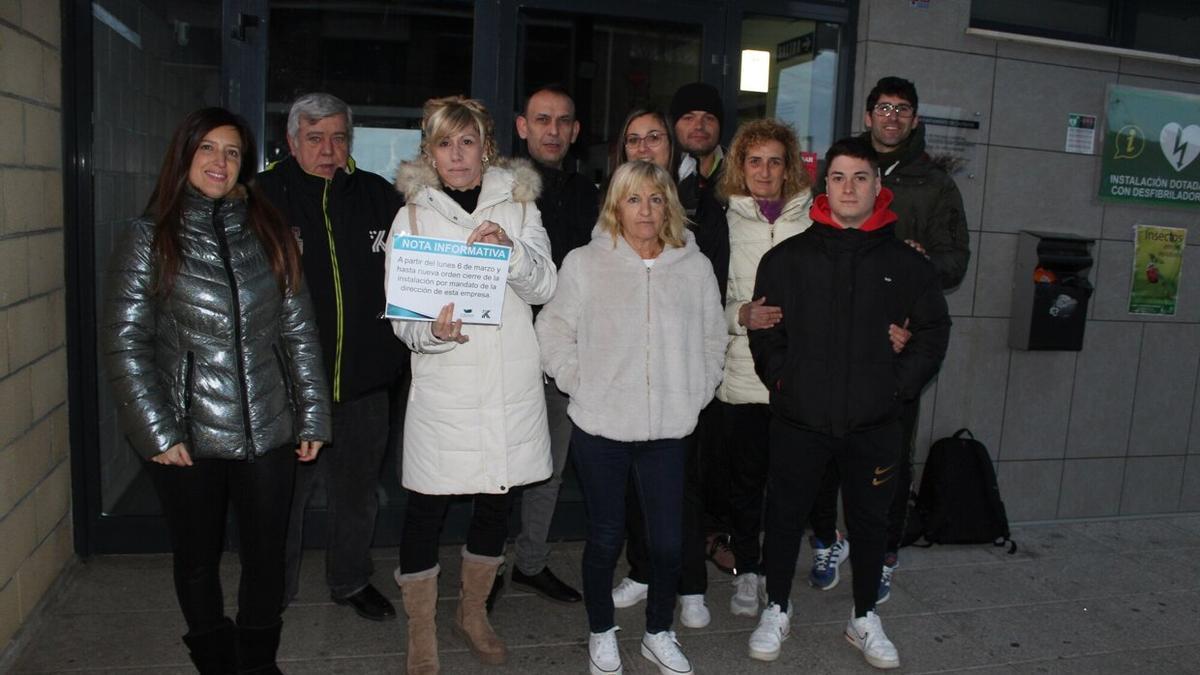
x=211, y=346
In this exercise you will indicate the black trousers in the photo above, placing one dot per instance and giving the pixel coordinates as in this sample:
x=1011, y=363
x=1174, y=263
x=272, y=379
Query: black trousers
x=867, y=462
x=824, y=512
x=194, y=503
x=714, y=470
x=746, y=438
x=425, y=514
x=350, y=468
x=693, y=576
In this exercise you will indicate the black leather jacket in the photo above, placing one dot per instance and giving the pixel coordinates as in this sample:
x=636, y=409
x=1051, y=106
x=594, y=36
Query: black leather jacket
x=225, y=363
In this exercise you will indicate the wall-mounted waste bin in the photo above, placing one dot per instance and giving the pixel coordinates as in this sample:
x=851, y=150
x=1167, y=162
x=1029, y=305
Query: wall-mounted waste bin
x=1050, y=291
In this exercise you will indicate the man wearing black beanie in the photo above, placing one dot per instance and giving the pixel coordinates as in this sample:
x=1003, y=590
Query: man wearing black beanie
x=697, y=113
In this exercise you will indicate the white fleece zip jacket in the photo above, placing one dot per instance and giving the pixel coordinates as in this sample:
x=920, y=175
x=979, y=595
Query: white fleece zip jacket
x=639, y=350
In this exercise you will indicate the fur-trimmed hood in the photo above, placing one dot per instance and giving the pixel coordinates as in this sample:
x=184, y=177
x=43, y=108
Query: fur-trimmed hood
x=418, y=174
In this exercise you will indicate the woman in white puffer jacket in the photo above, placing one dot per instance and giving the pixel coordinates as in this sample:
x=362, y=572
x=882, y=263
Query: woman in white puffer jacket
x=768, y=192
x=476, y=417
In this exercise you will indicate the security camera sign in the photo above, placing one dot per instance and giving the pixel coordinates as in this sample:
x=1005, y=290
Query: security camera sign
x=426, y=273
x=1151, y=146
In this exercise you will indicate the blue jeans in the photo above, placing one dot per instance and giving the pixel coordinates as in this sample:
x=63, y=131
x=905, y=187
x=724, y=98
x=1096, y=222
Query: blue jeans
x=603, y=467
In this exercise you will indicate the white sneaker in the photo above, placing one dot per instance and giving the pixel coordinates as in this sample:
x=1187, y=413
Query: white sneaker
x=774, y=626
x=604, y=658
x=693, y=613
x=867, y=634
x=747, y=590
x=629, y=593
x=662, y=649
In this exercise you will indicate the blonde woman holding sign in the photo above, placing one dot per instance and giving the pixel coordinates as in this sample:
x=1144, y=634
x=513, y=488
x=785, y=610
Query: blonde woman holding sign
x=476, y=418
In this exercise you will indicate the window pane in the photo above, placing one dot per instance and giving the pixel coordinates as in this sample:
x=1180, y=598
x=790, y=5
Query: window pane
x=1070, y=17
x=798, y=60
x=1168, y=26
x=611, y=66
x=383, y=58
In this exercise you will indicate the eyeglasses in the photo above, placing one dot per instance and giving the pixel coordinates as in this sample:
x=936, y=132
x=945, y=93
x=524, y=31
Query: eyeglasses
x=652, y=140
x=886, y=109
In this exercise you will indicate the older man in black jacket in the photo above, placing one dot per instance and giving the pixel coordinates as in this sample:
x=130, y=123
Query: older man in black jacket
x=340, y=215
x=837, y=383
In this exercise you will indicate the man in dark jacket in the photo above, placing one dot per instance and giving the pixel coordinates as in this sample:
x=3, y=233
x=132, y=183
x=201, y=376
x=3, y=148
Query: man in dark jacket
x=837, y=384
x=698, y=117
x=697, y=113
x=340, y=215
x=569, y=204
x=931, y=220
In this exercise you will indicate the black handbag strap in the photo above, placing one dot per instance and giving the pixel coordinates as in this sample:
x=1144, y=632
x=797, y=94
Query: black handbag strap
x=964, y=430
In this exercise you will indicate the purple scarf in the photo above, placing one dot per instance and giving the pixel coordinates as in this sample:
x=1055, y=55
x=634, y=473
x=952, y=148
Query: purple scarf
x=771, y=208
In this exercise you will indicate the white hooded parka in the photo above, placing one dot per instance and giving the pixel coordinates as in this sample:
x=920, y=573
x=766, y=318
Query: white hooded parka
x=476, y=417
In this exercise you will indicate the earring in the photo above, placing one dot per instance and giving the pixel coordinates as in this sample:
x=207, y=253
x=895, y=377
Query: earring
x=485, y=159
x=433, y=162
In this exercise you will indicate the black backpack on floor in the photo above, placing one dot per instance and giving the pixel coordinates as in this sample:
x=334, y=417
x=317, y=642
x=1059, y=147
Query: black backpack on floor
x=959, y=501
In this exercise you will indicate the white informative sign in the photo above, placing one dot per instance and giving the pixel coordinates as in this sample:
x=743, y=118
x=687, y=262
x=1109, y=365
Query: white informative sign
x=427, y=273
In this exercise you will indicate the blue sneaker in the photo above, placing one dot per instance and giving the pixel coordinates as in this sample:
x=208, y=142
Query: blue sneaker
x=826, y=560
x=890, y=563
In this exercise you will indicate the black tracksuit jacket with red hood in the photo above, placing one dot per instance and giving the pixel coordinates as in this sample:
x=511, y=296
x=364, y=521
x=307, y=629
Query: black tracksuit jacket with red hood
x=829, y=364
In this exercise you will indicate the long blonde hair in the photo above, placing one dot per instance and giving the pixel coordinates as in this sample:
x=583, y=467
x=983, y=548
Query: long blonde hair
x=629, y=177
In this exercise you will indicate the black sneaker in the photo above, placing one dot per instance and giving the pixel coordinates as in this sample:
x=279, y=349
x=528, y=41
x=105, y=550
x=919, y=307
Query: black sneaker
x=547, y=585
x=369, y=603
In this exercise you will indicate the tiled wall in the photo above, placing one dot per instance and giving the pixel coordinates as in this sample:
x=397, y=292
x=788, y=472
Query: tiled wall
x=35, y=476
x=1113, y=429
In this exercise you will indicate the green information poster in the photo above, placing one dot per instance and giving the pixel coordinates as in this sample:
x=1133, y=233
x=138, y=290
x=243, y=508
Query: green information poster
x=1157, y=262
x=1151, y=147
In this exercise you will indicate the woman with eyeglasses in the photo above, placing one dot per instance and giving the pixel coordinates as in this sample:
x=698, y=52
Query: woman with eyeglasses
x=645, y=136
x=634, y=336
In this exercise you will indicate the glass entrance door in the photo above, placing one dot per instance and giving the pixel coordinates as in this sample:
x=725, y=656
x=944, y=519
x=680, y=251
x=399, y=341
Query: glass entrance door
x=147, y=63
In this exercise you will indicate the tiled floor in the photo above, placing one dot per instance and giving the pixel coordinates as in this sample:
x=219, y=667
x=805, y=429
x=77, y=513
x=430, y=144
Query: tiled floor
x=1095, y=597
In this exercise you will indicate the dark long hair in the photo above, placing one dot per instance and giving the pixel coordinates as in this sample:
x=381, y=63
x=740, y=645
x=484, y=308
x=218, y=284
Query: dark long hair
x=166, y=202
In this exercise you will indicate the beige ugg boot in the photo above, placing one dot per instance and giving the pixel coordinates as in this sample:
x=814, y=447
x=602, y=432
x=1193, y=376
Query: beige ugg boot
x=471, y=622
x=420, y=604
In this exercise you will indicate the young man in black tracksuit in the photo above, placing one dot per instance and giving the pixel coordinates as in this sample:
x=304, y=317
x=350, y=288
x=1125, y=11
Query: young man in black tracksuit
x=931, y=220
x=837, y=384
x=340, y=216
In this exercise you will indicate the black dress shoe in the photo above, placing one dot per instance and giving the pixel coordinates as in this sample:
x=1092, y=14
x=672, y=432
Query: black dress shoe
x=547, y=585
x=369, y=603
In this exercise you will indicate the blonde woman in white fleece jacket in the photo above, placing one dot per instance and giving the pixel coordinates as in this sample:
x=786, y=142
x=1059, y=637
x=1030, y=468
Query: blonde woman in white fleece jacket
x=635, y=335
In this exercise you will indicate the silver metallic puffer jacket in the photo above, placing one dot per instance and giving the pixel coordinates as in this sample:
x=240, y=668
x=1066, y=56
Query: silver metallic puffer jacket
x=225, y=363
